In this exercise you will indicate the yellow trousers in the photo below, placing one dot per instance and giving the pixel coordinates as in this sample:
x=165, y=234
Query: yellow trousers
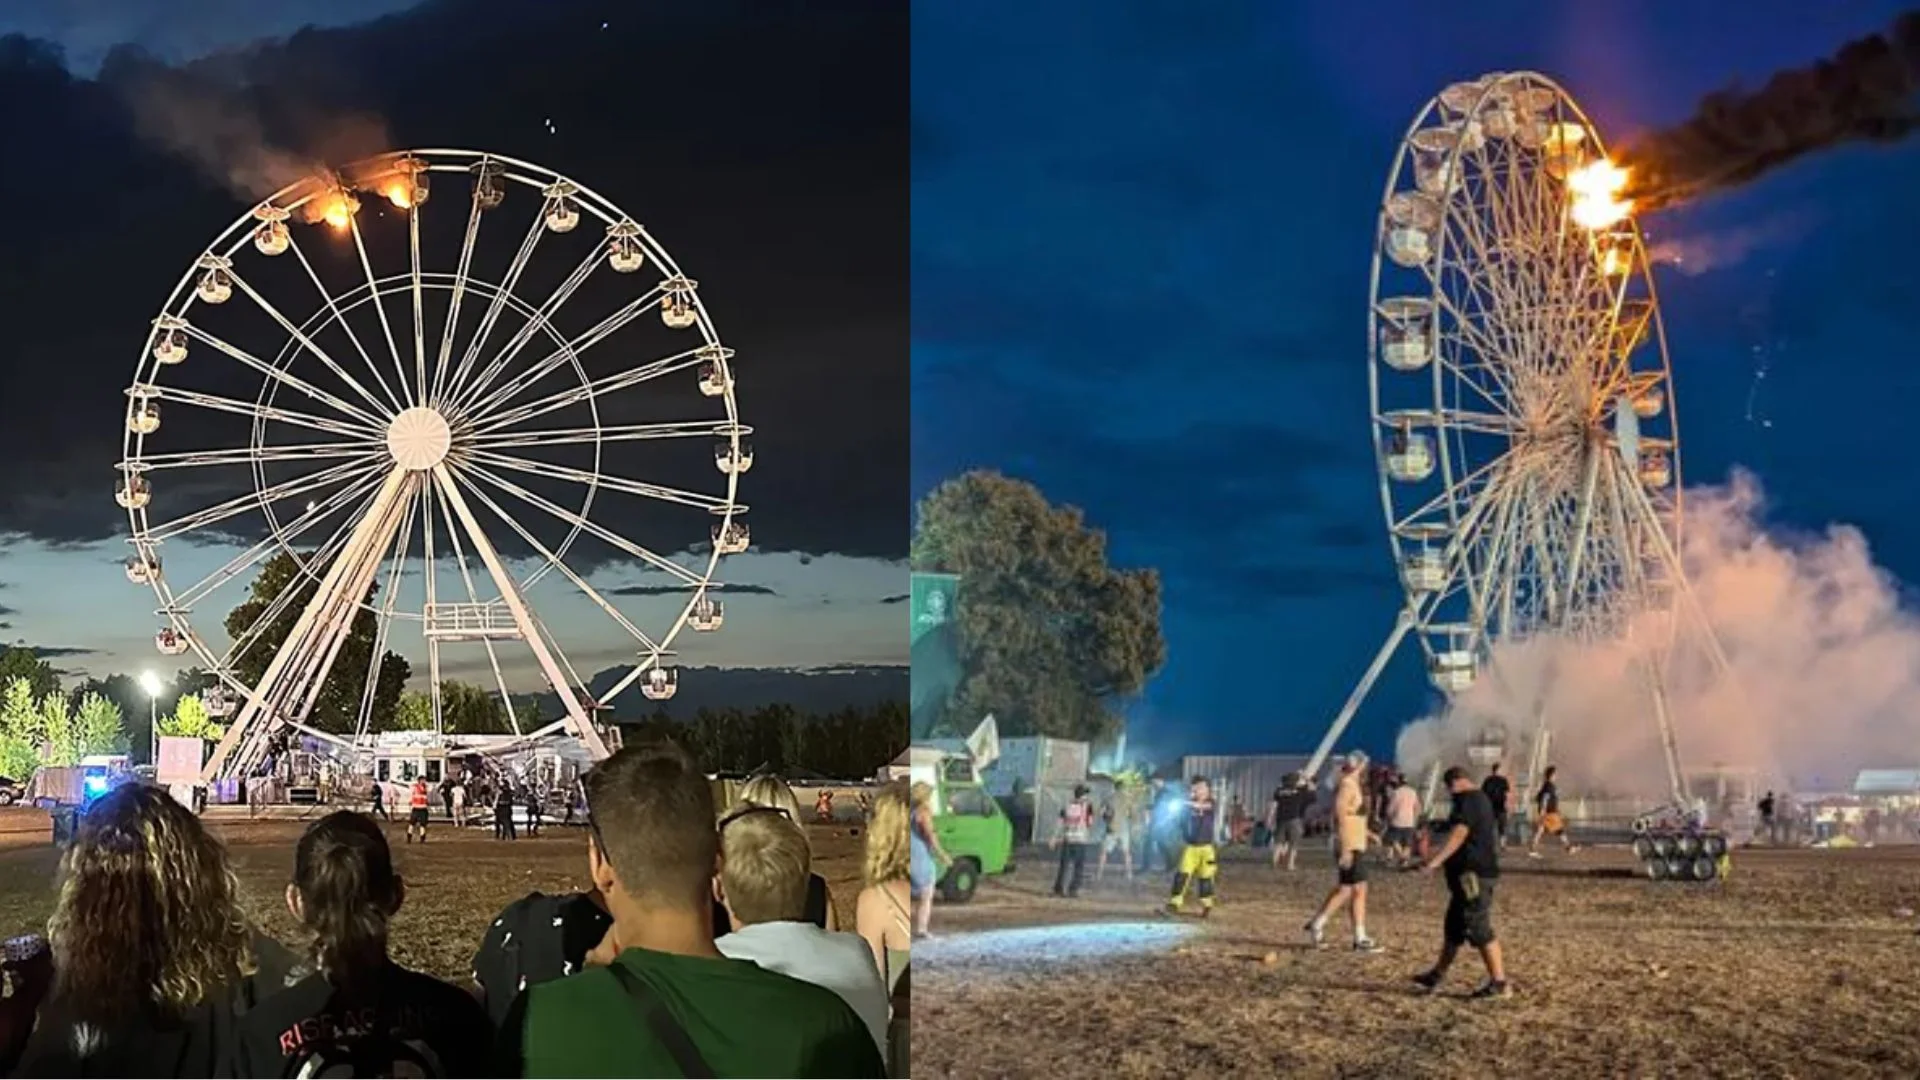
x=1199, y=865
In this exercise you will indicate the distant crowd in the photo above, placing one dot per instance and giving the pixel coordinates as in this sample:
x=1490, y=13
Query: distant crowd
x=707, y=946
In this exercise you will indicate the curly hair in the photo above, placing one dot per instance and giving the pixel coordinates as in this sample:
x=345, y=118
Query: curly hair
x=149, y=916
x=887, y=852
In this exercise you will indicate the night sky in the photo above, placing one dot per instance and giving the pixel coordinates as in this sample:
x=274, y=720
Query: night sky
x=1140, y=253
x=767, y=154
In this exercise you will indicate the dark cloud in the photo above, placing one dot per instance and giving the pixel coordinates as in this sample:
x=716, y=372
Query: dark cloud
x=1346, y=534
x=896, y=598
x=56, y=652
x=815, y=691
x=789, y=208
x=671, y=590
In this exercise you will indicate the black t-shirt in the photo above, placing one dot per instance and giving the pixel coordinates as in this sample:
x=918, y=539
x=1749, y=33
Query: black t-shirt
x=536, y=939
x=1549, y=798
x=202, y=1041
x=402, y=1023
x=1480, y=855
x=1496, y=787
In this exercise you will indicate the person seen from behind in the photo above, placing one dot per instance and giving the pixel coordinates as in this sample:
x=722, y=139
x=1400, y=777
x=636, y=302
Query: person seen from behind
x=351, y=1007
x=1497, y=791
x=503, y=826
x=1073, y=839
x=153, y=961
x=881, y=913
x=1546, y=805
x=1403, y=817
x=1288, y=818
x=417, y=803
x=658, y=999
x=1471, y=859
x=928, y=858
x=1351, y=837
x=772, y=791
x=765, y=865
x=1116, y=820
x=380, y=801
x=1199, y=858
x=1768, y=828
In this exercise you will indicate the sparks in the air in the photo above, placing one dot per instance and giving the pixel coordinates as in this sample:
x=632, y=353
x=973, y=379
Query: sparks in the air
x=1596, y=189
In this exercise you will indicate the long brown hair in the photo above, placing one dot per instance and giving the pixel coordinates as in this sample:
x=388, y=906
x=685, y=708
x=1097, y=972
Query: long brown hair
x=343, y=873
x=149, y=914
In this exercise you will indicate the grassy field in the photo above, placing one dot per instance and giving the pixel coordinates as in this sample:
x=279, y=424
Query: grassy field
x=1800, y=965
x=455, y=884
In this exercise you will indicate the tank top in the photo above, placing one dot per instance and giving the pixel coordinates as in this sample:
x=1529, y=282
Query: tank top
x=419, y=798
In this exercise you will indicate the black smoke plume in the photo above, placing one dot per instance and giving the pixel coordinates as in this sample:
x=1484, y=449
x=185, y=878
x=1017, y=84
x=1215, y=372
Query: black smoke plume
x=1867, y=92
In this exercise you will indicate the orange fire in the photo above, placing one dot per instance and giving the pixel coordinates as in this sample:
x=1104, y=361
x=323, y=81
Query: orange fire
x=1596, y=189
x=399, y=193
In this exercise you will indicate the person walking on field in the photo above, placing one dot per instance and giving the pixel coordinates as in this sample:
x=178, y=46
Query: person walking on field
x=459, y=803
x=1497, y=791
x=1546, y=804
x=380, y=801
x=1118, y=820
x=1351, y=837
x=1075, y=835
x=1288, y=819
x=418, y=801
x=1767, y=827
x=1471, y=860
x=1199, y=859
x=1403, y=817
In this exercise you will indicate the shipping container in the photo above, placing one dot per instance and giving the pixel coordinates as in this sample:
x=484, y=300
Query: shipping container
x=1250, y=778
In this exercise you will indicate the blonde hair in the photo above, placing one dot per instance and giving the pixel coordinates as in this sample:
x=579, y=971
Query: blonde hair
x=921, y=794
x=765, y=865
x=149, y=911
x=888, y=854
x=769, y=790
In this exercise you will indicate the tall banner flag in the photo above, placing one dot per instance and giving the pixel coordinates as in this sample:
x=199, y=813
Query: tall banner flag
x=935, y=651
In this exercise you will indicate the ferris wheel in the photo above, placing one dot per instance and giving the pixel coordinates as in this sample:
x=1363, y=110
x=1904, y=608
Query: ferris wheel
x=418, y=415
x=1521, y=393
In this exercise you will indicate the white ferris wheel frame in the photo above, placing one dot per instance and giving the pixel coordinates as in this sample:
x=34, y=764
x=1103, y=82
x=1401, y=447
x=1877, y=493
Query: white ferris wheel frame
x=1590, y=566
x=394, y=476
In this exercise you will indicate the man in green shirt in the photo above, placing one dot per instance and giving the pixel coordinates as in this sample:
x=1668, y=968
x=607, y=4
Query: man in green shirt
x=662, y=1001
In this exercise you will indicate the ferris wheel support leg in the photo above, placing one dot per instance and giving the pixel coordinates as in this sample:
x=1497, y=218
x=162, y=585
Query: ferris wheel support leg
x=583, y=728
x=250, y=728
x=1676, y=777
x=1401, y=625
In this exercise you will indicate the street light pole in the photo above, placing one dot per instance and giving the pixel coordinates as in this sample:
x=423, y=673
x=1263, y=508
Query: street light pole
x=153, y=686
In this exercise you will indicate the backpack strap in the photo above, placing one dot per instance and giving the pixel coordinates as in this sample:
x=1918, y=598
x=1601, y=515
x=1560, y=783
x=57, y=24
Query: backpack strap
x=661, y=1023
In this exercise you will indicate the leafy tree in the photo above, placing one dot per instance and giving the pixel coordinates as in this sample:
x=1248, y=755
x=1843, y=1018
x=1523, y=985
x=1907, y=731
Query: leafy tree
x=472, y=710
x=337, y=707
x=1049, y=634
x=59, y=731
x=190, y=720
x=99, y=725
x=19, y=730
x=415, y=712
x=20, y=662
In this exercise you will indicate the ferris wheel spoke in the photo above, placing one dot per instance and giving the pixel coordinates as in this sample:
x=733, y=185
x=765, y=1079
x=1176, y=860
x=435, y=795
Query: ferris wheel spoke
x=258, y=410
x=419, y=305
x=307, y=343
x=479, y=406
x=321, y=557
x=289, y=489
x=651, y=558
x=1457, y=493
x=442, y=365
x=607, y=384
x=246, y=560
x=186, y=459
x=379, y=303
x=676, y=429
x=340, y=320
x=612, y=483
x=473, y=597
x=383, y=627
x=463, y=396
x=287, y=379
x=488, y=320
x=566, y=571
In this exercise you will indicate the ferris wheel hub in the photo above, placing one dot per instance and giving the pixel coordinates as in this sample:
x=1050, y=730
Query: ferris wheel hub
x=419, y=439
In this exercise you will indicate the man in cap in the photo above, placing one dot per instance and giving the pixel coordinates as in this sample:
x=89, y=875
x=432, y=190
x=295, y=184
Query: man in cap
x=1351, y=836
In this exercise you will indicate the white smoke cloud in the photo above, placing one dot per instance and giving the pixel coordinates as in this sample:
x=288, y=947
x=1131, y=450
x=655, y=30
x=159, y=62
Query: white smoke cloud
x=1823, y=675
x=1702, y=252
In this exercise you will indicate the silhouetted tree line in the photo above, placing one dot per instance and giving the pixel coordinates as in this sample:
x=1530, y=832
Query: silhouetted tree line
x=849, y=744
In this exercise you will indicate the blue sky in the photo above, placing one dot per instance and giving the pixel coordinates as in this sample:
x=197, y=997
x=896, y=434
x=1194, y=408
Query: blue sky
x=1141, y=235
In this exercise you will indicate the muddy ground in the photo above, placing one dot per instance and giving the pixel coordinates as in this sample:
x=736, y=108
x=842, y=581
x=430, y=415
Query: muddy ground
x=455, y=885
x=1802, y=964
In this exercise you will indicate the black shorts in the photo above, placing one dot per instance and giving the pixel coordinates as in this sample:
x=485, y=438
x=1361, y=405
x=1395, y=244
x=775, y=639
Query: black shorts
x=1355, y=872
x=1400, y=837
x=1291, y=831
x=418, y=817
x=1470, y=918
